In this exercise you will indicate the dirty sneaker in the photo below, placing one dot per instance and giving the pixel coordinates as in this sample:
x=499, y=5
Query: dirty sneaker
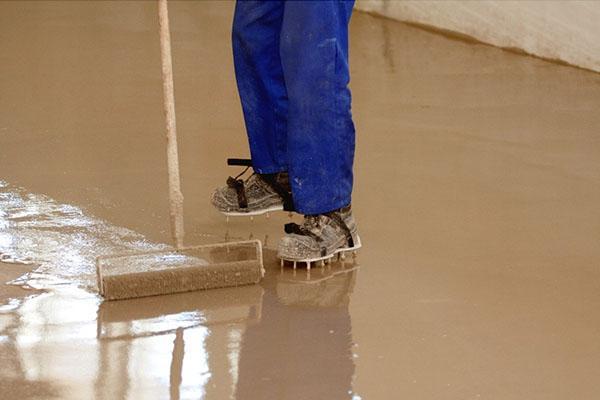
x=258, y=194
x=320, y=237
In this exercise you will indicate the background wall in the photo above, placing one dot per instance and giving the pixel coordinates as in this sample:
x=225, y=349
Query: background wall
x=564, y=30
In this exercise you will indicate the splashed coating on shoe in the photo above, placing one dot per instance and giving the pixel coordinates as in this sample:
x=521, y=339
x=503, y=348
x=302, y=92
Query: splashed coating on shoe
x=320, y=237
x=261, y=196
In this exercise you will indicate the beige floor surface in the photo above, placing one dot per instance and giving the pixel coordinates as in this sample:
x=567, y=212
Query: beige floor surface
x=477, y=191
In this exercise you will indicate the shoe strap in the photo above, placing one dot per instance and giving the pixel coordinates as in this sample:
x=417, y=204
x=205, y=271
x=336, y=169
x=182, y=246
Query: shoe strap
x=335, y=215
x=282, y=191
x=240, y=162
x=294, y=228
x=238, y=185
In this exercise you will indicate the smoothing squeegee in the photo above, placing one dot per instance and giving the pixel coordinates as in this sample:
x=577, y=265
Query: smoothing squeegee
x=178, y=269
x=151, y=273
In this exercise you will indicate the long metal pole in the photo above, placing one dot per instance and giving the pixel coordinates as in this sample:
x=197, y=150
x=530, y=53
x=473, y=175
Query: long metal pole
x=175, y=195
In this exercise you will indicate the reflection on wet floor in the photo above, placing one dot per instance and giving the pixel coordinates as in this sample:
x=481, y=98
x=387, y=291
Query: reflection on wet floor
x=477, y=191
x=47, y=334
x=59, y=239
x=291, y=330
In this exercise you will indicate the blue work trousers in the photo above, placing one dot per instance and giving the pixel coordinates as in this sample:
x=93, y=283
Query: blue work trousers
x=291, y=65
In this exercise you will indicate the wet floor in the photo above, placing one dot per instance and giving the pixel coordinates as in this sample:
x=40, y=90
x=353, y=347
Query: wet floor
x=477, y=185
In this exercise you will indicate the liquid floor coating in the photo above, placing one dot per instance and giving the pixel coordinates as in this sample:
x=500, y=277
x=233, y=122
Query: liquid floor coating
x=476, y=194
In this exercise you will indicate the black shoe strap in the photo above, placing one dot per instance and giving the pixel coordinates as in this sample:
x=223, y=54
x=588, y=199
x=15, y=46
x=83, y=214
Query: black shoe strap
x=240, y=162
x=335, y=215
x=238, y=185
x=280, y=189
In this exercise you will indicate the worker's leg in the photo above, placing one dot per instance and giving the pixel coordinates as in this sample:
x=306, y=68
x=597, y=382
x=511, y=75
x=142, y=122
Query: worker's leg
x=259, y=75
x=320, y=132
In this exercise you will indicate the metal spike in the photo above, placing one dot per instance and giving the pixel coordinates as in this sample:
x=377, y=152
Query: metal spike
x=227, y=219
x=322, y=263
x=281, y=262
x=308, y=266
x=268, y=215
x=294, y=264
x=342, y=255
x=252, y=218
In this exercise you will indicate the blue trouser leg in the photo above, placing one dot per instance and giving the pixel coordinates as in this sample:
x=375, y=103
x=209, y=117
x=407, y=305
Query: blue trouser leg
x=259, y=75
x=320, y=134
x=291, y=62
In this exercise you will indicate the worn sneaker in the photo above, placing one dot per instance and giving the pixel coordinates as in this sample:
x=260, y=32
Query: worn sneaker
x=320, y=237
x=258, y=194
